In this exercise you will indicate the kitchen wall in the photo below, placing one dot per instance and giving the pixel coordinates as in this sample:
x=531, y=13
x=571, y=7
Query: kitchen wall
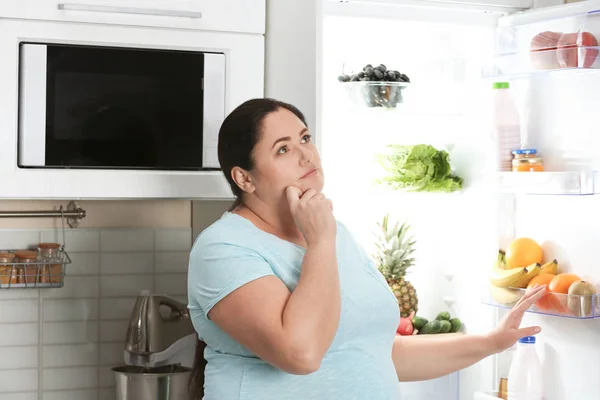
x=62, y=343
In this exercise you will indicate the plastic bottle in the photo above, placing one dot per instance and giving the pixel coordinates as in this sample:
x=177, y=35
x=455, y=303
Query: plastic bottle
x=505, y=359
x=507, y=125
x=525, y=375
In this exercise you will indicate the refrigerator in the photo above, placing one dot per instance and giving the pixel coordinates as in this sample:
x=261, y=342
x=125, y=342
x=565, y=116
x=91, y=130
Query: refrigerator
x=453, y=52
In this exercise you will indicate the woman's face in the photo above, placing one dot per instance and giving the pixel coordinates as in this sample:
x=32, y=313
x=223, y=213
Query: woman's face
x=285, y=155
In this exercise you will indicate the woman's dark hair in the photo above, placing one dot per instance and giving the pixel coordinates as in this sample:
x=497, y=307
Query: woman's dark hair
x=238, y=135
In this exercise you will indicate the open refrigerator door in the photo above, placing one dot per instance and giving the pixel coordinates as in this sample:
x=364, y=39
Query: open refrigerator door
x=551, y=59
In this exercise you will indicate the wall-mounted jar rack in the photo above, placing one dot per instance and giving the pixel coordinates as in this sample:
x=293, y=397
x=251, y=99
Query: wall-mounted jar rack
x=44, y=266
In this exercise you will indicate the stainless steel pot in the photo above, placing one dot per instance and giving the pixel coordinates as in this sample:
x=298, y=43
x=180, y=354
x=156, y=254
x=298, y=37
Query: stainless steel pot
x=162, y=383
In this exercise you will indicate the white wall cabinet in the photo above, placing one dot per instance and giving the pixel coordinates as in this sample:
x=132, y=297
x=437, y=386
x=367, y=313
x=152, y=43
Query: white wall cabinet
x=278, y=58
x=244, y=77
x=247, y=16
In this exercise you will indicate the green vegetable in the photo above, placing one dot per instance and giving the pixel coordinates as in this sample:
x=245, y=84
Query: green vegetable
x=420, y=168
x=446, y=326
x=456, y=324
x=419, y=322
x=431, y=327
x=443, y=316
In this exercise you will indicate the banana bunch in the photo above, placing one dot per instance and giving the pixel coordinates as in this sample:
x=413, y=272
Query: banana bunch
x=505, y=283
x=501, y=259
x=516, y=277
x=550, y=267
x=506, y=296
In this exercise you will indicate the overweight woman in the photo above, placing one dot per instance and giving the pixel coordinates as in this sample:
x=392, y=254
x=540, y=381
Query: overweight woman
x=286, y=303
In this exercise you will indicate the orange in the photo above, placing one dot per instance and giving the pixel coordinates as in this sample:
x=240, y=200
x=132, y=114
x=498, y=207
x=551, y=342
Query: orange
x=562, y=282
x=523, y=252
x=541, y=279
x=548, y=302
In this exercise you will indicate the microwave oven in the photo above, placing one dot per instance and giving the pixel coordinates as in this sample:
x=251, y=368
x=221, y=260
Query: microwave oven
x=119, y=108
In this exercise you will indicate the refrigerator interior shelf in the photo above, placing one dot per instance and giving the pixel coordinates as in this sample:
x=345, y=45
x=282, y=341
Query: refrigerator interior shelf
x=567, y=43
x=554, y=304
x=549, y=183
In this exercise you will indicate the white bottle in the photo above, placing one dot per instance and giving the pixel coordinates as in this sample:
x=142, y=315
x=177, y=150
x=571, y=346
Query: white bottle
x=507, y=125
x=525, y=375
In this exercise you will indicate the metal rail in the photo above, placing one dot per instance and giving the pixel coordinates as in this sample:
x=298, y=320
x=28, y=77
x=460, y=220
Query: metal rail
x=73, y=214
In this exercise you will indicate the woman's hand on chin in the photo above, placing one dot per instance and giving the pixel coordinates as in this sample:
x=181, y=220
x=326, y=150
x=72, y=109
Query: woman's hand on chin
x=313, y=215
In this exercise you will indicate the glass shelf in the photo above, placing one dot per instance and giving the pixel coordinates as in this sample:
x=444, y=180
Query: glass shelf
x=549, y=183
x=554, y=304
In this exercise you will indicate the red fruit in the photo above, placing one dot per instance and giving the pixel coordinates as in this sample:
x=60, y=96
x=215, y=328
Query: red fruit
x=406, y=327
x=568, y=50
x=543, y=50
x=589, y=56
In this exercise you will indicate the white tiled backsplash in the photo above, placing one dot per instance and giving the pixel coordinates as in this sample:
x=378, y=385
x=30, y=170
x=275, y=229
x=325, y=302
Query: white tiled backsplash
x=60, y=344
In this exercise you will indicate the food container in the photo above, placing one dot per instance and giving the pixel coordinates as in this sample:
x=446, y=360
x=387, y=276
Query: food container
x=28, y=273
x=7, y=273
x=161, y=383
x=527, y=160
x=49, y=252
x=376, y=94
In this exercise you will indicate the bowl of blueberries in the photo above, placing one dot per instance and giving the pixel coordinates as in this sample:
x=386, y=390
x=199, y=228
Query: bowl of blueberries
x=376, y=86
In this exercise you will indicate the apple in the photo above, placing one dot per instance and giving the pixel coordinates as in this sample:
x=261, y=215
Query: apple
x=568, y=50
x=405, y=328
x=543, y=50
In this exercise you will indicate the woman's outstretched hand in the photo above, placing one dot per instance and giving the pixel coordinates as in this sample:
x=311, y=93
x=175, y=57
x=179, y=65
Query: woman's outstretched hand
x=508, y=330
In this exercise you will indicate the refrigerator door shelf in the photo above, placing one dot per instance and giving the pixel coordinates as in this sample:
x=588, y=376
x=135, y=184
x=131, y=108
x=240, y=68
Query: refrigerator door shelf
x=554, y=304
x=488, y=396
x=550, y=183
x=524, y=65
x=568, y=41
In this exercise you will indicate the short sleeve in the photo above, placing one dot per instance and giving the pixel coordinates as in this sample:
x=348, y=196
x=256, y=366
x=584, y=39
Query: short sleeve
x=217, y=269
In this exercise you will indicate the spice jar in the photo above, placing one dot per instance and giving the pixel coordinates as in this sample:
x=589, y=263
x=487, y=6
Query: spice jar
x=29, y=269
x=49, y=252
x=527, y=160
x=7, y=275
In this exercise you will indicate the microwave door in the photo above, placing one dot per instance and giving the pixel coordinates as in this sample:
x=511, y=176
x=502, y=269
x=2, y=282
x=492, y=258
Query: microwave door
x=119, y=108
x=214, y=107
x=32, y=105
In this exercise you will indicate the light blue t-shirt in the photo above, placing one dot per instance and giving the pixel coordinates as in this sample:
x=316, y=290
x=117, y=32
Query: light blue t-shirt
x=358, y=365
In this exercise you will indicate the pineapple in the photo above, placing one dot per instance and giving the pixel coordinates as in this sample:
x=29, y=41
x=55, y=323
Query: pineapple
x=394, y=249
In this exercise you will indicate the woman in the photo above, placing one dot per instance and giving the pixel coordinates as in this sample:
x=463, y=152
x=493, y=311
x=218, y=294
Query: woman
x=288, y=303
